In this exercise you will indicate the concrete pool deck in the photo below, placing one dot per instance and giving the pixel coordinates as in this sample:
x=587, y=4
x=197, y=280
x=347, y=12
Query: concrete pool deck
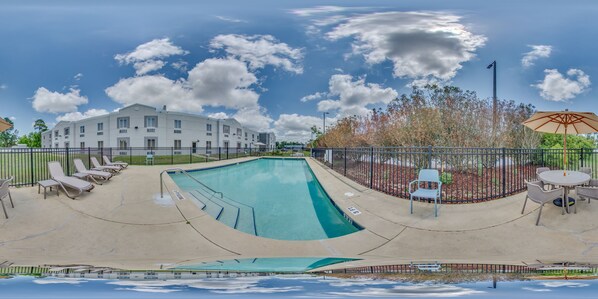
x=125, y=224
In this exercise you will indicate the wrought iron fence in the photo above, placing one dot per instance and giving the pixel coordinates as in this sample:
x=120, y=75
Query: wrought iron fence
x=468, y=174
x=29, y=165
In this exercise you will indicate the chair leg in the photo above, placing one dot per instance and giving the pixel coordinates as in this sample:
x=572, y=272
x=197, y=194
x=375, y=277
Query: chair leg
x=10, y=197
x=4, y=208
x=524, y=203
x=539, y=214
x=435, y=208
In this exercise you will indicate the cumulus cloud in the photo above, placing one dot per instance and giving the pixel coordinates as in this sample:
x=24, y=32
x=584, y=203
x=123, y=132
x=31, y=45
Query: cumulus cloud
x=411, y=291
x=59, y=281
x=295, y=127
x=419, y=44
x=73, y=116
x=538, y=51
x=56, y=102
x=354, y=96
x=259, y=51
x=557, y=87
x=154, y=90
x=318, y=10
x=218, y=115
x=3, y=86
x=147, y=57
x=78, y=76
x=315, y=96
x=255, y=118
x=231, y=20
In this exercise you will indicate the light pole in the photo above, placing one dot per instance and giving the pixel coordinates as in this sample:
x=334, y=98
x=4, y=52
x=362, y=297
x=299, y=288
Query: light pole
x=324, y=122
x=494, y=100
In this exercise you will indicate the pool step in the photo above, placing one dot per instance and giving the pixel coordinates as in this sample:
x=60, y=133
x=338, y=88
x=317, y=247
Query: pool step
x=209, y=206
x=229, y=214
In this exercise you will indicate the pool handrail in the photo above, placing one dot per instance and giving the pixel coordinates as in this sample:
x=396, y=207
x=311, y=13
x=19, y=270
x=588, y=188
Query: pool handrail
x=188, y=175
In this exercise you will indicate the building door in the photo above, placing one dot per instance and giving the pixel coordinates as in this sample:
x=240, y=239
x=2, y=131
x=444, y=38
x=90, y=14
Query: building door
x=194, y=147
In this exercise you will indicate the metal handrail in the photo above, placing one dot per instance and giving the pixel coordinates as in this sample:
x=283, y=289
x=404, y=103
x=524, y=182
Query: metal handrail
x=188, y=175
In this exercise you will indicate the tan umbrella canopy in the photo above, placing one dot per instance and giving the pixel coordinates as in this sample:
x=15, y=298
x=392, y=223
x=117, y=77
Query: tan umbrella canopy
x=4, y=125
x=563, y=122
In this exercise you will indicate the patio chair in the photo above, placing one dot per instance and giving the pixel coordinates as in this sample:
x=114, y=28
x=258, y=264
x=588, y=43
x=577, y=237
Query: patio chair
x=431, y=177
x=537, y=194
x=91, y=174
x=540, y=170
x=97, y=166
x=589, y=191
x=4, y=192
x=115, y=163
x=587, y=170
x=149, y=159
x=57, y=174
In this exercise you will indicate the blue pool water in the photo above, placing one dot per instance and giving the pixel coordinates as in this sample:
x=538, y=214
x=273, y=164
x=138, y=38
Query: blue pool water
x=272, y=198
x=270, y=265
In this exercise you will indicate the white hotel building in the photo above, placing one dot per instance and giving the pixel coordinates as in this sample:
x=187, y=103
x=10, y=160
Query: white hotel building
x=141, y=126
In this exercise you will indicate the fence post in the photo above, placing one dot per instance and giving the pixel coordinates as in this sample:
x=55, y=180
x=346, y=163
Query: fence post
x=219, y=150
x=130, y=155
x=68, y=163
x=345, y=155
x=581, y=156
x=190, y=155
x=171, y=155
x=371, y=167
x=32, y=168
x=542, y=156
x=429, y=157
x=504, y=172
x=102, y=153
x=227, y=153
x=89, y=156
x=332, y=158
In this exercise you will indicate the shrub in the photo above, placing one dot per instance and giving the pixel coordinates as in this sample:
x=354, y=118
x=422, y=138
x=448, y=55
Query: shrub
x=446, y=178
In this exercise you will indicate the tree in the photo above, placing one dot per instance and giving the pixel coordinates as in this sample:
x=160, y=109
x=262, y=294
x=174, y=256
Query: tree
x=40, y=125
x=9, y=137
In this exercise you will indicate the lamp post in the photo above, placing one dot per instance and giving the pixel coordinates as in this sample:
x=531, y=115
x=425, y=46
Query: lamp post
x=324, y=122
x=494, y=100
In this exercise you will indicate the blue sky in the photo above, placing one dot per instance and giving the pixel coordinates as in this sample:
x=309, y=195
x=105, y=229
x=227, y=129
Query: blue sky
x=277, y=65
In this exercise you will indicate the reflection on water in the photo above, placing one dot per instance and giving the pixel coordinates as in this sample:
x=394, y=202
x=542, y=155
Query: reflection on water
x=294, y=286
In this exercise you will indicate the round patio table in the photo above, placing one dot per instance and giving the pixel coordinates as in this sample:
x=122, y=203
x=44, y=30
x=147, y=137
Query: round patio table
x=572, y=179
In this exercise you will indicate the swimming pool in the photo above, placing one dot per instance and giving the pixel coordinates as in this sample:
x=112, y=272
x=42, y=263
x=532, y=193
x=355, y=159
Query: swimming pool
x=271, y=265
x=272, y=198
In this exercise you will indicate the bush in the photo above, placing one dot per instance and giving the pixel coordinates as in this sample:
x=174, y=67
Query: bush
x=446, y=178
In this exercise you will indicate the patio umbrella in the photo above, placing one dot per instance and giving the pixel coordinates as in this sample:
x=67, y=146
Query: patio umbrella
x=563, y=122
x=4, y=125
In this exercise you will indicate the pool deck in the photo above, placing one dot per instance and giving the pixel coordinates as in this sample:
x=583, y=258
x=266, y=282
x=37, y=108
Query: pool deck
x=125, y=224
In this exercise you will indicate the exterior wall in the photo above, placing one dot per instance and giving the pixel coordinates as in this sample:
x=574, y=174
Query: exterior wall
x=192, y=133
x=269, y=139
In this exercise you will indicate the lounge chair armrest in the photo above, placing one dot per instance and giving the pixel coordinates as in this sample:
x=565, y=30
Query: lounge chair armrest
x=411, y=184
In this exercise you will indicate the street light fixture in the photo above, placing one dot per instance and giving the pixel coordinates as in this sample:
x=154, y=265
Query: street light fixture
x=324, y=122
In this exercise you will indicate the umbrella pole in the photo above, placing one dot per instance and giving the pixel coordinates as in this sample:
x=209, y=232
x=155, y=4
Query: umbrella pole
x=565, y=153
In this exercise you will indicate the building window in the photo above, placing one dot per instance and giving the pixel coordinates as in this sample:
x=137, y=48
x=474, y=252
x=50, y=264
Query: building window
x=122, y=122
x=177, y=144
x=226, y=129
x=226, y=144
x=82, y=129
x=100, y=126
x=100, y=144
x=67, y=131
x=177, y=124
x=66, y=144
x=56, y=133
x=150, y=143
x=245, y=134
x=209, y=127
x=208, y=144
x=238, y=144
x=151, y=121
x=123, y=143
x=239, y=132
x=82, y=145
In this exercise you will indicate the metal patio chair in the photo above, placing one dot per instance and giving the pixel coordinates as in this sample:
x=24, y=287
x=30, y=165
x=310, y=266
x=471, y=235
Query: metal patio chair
x=537, y=194
x=429, y=178
x=4, y=192
x=589, y=191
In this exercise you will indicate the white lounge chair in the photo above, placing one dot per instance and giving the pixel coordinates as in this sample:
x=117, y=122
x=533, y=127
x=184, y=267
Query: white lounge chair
x=97, y=166
x=57, y=174
x=115, y=163
x=4, y=192
x=92, y=174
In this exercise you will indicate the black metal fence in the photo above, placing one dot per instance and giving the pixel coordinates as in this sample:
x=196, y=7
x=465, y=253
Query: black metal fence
x=468, y=174
x=29, y=165
x=443, y=268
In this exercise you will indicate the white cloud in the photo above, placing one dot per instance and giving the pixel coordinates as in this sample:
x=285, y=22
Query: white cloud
x=56, y=102
x=180, y=65
x=318, y=10
x=354, y=97
x=78, y=76
x=295, y=127
x=154, y=90
x=12, y=118
x=229, y=19
x=419, y=44
x=411, y=291
x=146, y=57
x=556, y=87
x=255, y=118
x=73, y=116
x=560, y=284
x=223, y=82
x=144, y=67
x=3, y=86
x=219, y=115
x=259, y=51
x=49, y=280
x=538, y=51
x=315, y=96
